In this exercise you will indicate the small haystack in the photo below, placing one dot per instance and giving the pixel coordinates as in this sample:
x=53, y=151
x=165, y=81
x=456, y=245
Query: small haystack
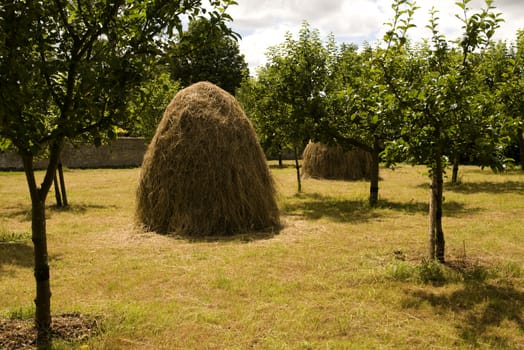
x=204, y=172
x=331, y=162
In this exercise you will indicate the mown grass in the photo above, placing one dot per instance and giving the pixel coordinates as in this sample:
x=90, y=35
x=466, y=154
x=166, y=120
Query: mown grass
x=340, y=275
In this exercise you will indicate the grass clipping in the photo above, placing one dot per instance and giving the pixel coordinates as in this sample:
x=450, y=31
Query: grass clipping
x=331, y=162
x=204, y=172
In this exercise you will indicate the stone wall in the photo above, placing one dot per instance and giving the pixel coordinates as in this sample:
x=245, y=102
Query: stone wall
x=126, y=152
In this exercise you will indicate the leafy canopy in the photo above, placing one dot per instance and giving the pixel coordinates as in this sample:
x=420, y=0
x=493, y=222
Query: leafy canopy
x=68, y=68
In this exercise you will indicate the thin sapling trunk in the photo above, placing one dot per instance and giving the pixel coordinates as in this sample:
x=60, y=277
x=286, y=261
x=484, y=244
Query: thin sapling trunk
x=456, y=165
x=297, y=167
x=374, y=177
x=436, y=234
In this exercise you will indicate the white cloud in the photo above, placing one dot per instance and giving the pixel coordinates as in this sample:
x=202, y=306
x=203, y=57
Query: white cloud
x=254, y=45
x=263, y=23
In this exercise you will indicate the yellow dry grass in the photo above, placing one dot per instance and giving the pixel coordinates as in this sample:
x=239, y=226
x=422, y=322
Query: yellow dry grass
x=340, y=275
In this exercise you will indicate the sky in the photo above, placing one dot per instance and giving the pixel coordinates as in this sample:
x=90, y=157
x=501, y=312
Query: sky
x=263, y=23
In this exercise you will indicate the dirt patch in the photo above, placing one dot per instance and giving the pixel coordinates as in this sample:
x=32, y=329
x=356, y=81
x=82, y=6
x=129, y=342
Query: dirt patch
x=21, y=334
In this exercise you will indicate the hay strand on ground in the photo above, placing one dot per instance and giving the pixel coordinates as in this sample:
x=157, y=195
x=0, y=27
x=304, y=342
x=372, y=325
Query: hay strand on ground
x=320, y=161
x=204, y=172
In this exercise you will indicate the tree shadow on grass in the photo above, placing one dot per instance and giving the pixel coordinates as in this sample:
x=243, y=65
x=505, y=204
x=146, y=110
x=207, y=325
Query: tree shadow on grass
x=15, y=253
x=23, y=212
x=79, y=208
x=484, y=307
x=487, y=187
x=449, y=208
x=315, y=206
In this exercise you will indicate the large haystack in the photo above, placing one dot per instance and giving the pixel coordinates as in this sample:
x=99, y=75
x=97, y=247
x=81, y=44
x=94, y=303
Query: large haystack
x=331, y=162
x=204, y=172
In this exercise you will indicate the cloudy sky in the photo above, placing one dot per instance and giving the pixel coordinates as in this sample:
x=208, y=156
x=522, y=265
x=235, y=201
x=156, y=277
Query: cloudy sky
x=263, y=23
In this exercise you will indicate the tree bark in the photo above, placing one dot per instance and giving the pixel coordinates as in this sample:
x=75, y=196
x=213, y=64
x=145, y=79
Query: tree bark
x=58, y=196
x=432, y=218
x=454, y=174
x=41, y=265
x=39, y=238
x=374, y=177
x=439, y=233
x=297, y=167
x=437, y=243
x=62, y=185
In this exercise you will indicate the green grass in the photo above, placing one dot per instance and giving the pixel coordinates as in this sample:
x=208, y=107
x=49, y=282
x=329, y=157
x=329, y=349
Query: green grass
x=340, y=275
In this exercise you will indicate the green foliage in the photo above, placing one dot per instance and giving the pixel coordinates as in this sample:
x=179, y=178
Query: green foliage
x=262, y=107
x=297, y=74
x=206, y=52
x=288, y=100
x=68, y=70
x=504, y=69
x=403, y=11
x=449, y=108
x=364, y=108
x=478, y=28
x=148, y=105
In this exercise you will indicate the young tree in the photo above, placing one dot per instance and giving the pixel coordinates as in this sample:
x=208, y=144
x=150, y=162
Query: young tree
x=437, y=101
x=364, y=111
x=66, y=70
x=481, y=129
x=299, y=70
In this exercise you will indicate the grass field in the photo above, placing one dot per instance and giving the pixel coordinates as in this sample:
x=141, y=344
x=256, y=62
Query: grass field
x=340, y=275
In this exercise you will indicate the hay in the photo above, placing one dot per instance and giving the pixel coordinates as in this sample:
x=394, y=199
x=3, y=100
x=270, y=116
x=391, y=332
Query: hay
x=204, y=172
x=331, y=162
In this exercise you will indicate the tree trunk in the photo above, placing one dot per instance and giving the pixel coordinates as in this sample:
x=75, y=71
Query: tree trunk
x=432, y=218
x=62, y=185
x=436, y=234
x=41, y=265
x=58, y=196
x=297, y=167
x=439, y=233
x=39, y=238
x=520, y=139
x=456, y=164
x=43, y=288
x=280, y=163
x=374, y=177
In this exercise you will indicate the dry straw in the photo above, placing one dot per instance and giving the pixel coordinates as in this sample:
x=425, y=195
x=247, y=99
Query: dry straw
x=331, y=162
x=204, y=172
